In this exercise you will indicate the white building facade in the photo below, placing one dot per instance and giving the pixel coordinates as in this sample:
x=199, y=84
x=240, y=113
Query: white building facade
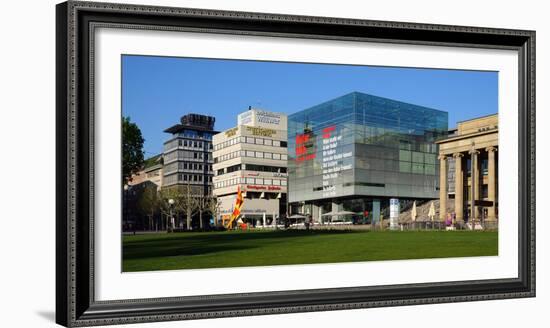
x=253, y=157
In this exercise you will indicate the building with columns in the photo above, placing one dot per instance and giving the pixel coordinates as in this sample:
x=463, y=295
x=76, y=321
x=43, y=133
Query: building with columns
x=468, y=160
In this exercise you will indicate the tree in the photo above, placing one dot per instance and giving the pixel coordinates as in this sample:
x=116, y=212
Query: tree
x=167, y=209
x=189, y=204
x=211, y=206
x=149, y=203
x=132, y=149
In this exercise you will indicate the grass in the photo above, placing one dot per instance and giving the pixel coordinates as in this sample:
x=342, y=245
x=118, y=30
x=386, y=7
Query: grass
x=259, y=248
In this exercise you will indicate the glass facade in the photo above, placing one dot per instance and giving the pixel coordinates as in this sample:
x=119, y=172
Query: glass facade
x=364, y=145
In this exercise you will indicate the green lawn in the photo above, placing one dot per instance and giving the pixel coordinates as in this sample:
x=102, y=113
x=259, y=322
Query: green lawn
x=258, y=248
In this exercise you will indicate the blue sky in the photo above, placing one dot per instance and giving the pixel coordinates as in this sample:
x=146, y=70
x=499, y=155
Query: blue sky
x=157, y=91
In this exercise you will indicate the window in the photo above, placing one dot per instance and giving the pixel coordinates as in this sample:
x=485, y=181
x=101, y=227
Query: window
x=250, y=180
x=249, y=140
x=276, y=182
x=283, y=144
x=417, y=168
x=195, y=155
x=268, y=182
x=249, y=153
x=283, y=157
x=268, y=142
x=268, y=155
x=259, y=154
x=259, y=181
x=276, y=143
x=276, y=156
x=259, y=141
x=283, y=182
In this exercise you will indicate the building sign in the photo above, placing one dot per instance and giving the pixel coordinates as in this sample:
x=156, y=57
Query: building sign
x=332, y=160
x=305, y=146
x=394, y=213
x=245, y=118
x=268, y=117
x=231, y=132
x=262, y=132
x=258, y=117
x=263, y=188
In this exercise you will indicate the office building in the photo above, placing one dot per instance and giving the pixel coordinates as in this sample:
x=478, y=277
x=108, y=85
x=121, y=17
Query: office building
x=252, y=157
x=188, y=154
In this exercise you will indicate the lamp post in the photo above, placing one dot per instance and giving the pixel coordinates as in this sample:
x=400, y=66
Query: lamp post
x=125, y=209
x=171, y=203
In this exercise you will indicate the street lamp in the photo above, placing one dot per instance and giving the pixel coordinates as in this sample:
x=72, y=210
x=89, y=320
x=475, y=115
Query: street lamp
x=171, y=203
x=125, y=212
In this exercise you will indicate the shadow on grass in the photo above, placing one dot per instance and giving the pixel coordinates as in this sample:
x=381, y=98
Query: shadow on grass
x=187, y=244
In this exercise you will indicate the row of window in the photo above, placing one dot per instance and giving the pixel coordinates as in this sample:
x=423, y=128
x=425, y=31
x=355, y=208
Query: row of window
x=180, y=166
x=195, y=144
x=186, y=155
x=250, y=140
x=190, y=178
x=193, y=177
x=252, y=167
x=250, y=181
x=250, y=153
x=195, y=134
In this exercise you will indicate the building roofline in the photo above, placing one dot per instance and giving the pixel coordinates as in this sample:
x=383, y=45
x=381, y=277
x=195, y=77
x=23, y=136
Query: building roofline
x=465, y=136
x=179, y=127
x=355, y=93
x=477, y=118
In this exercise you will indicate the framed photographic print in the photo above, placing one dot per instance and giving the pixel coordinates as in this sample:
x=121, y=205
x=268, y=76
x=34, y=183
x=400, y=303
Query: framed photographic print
x=215, y=163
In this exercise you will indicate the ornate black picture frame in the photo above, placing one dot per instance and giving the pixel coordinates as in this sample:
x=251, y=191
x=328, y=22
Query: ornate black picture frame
x=75, y=301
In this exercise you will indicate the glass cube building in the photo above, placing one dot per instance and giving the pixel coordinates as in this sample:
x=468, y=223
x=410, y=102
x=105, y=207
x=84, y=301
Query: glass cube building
x=357, y=151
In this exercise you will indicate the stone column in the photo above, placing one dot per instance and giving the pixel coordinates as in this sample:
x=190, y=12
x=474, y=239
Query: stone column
x=459, y=188
x=492, y=181
x=442, y=187
x=474, y=181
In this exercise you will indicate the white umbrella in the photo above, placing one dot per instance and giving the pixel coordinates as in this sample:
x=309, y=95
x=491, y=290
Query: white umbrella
x=413, y=212
x=344, y=213
x=297, y=216
x=431, y=212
